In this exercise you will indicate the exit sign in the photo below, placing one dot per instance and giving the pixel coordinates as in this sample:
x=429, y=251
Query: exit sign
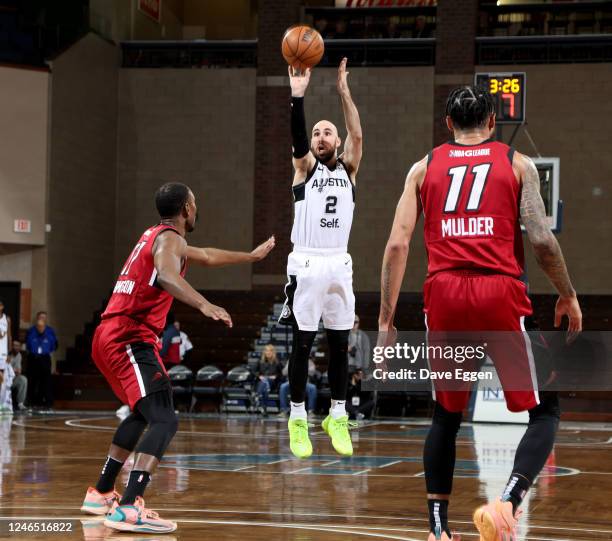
x=22, y=226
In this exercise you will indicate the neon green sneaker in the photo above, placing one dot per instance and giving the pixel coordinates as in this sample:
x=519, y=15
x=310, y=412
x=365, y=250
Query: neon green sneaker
x=298, y=438
x=337, y=430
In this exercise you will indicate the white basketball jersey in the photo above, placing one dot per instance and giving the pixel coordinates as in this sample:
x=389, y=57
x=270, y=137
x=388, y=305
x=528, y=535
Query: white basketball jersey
x=324, y=205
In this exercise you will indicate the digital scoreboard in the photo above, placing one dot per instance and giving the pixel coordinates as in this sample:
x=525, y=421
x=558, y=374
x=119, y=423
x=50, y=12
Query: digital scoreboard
x=508, y=90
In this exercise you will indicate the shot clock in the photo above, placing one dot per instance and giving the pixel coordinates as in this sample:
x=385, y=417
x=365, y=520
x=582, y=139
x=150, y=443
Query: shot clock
x=508, y=90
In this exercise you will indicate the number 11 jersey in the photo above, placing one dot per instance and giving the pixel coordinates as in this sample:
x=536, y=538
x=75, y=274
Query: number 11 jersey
x=324, y=205
x=136, y=294
x=470, y=197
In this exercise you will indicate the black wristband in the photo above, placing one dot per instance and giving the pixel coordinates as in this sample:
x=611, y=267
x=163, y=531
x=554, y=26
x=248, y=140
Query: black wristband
x=298, y=128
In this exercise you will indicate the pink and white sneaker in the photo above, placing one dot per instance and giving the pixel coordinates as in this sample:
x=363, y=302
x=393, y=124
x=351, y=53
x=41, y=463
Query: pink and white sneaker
x=137, y=518
x=96, y=503
x=496, y=522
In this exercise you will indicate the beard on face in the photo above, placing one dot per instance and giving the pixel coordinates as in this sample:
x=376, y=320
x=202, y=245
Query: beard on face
x=324, y=155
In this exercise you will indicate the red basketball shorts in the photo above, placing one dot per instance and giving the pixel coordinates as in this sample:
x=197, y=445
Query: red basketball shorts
x=459, y=301
x=127, y=355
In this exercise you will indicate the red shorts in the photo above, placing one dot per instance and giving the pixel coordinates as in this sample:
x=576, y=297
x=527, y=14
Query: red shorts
x=469, y=301
x=127, y=354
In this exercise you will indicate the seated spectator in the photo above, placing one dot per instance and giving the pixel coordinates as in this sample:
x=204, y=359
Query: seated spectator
x=358, y=347
x=314, y=377
x=171, y=343
x=392, y=31
x=321, y=27
x=185, y=346
x=421, y=29
x=20, y=382
x=268, y=373
x=359, y=404
x=40, y=343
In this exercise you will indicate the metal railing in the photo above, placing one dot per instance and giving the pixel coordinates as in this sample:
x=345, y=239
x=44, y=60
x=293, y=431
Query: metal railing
x=544, y=49
x=189, y=54
x=240, y=54
x=381, y=52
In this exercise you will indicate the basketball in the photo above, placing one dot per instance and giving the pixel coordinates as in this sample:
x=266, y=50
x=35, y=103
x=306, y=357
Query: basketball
x=302, y=47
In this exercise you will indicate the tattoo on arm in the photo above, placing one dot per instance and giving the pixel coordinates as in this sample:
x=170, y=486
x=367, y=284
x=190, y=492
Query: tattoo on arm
x=386, y=308
x=545, y=246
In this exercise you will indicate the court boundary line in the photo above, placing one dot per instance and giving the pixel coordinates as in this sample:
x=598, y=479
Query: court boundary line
x=313, y=514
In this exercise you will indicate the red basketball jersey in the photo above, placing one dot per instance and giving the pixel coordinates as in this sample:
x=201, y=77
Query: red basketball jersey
x=470, y=199
x=136, y=294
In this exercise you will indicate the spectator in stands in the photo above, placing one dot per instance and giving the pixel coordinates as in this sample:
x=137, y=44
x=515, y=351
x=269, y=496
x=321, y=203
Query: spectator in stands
x=358, y=347
x=314, y=377
x=20, y=382
x=359, y=404
x=171, y=343
x=269, y=373
x=185, y=346
x=421, y=30
x=321, y=27
x=41, y=343
x=341, y=30
x=392, y=29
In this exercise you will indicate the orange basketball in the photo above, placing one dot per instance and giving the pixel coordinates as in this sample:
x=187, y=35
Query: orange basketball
x=302, y=47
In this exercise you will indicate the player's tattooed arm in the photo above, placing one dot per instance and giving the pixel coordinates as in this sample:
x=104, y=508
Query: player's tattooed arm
x=303, y=158
x=354, y=140
x=215, y=257
x=169, y=249
x=396, y=252
x=545, y=246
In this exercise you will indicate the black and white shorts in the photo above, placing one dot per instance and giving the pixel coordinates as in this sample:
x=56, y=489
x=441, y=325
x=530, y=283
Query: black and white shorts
x=320, y=285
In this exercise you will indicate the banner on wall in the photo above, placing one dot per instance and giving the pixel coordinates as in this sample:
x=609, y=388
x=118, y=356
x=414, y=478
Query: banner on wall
x=152, y=8
x=384, y=3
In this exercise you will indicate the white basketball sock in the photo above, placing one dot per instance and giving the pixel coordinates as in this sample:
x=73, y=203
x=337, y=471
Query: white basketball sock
x=337, y=409
x=298, y=410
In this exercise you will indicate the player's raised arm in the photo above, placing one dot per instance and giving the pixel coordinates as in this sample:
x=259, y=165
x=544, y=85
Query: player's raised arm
x=396, y=252
x=303, y=159
x=354, y=138
x=214, y=257
x=168, y=251
x=545, y=246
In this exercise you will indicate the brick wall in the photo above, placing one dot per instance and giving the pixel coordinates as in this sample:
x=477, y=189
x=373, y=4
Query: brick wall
x=456, y=23
x=396, y=110
x=565, y=108
x=82, y=168
x=273, y=207
x=196, y=127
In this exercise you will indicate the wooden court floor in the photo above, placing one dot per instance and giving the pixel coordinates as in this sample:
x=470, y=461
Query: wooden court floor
x=234, y=478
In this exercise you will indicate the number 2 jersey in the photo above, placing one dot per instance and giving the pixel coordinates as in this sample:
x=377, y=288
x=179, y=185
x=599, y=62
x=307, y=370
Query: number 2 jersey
x=470, y=197
x=324, y=205
x=136, y=294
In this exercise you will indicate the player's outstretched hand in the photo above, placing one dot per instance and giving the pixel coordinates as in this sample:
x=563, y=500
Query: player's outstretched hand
x=569, y=306
x=298, y=82
x=217, y=313
x=263, y=249
x=342, y=83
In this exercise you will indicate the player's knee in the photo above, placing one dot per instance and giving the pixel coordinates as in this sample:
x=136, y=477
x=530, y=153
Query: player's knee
x=448, y=419
x=547, y=410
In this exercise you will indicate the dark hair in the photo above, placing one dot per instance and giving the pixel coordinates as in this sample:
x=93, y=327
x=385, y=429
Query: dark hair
x=469, y=107
x=171, y=198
